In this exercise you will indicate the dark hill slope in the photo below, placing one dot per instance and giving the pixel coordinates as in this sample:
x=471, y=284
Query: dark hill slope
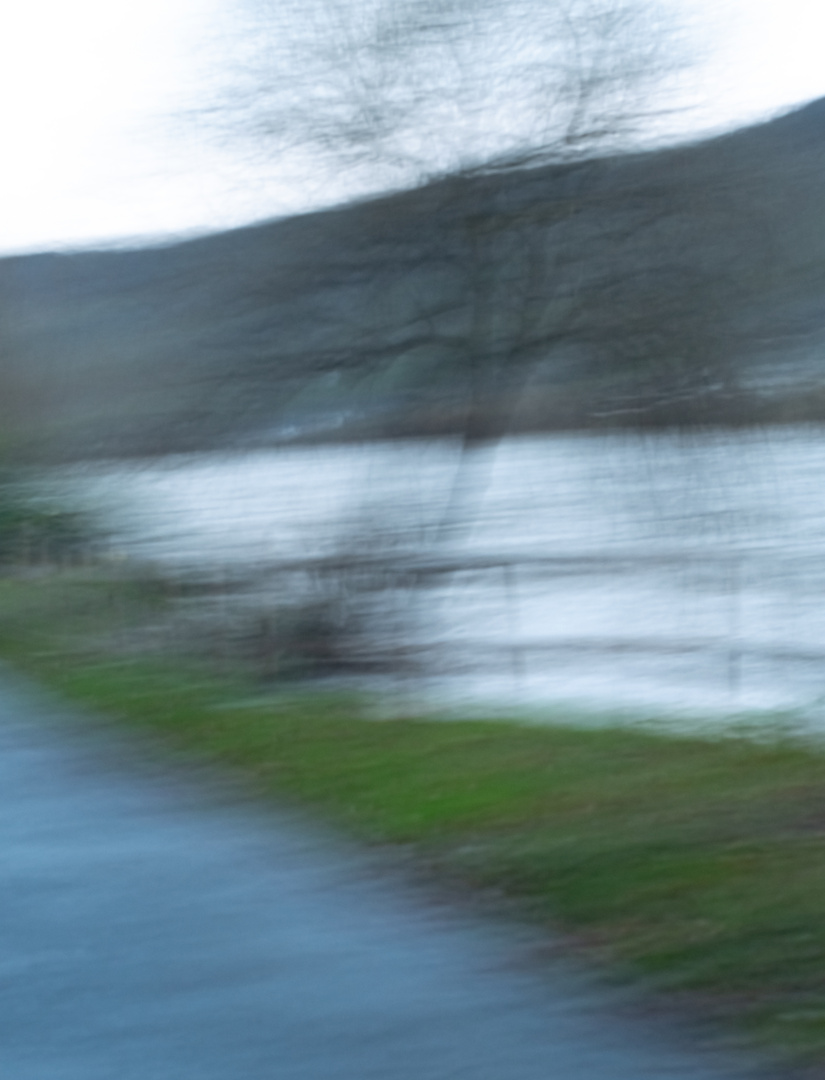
x=607, y=287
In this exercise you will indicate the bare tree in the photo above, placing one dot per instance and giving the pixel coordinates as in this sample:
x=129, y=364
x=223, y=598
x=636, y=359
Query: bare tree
x=411, y=89
x=519, y=237
x=458, y=95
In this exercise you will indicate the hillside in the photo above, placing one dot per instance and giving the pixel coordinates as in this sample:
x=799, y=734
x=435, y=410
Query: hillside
x=667, y=286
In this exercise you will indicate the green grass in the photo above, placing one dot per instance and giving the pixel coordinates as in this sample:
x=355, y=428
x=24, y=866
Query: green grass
x=697, y=863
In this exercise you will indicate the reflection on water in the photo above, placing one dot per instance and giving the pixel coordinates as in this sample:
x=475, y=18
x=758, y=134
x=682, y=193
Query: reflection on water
x=658, y=571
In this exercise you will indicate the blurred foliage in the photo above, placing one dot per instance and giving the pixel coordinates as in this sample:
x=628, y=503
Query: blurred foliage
x=34, y=533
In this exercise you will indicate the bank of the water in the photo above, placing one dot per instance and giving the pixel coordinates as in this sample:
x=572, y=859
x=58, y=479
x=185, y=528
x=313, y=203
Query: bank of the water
x=696, y=863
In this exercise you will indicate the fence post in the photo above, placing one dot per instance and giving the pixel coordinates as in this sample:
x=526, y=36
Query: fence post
x=511, y=600
x=734, y=619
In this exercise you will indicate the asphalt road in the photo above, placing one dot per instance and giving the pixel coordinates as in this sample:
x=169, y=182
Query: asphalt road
x=153, y=927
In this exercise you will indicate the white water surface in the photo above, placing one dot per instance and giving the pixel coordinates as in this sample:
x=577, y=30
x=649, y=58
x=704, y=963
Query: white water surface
x=670, y=574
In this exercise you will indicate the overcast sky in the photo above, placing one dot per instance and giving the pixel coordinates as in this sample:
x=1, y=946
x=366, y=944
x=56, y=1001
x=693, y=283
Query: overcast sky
x=97, y=146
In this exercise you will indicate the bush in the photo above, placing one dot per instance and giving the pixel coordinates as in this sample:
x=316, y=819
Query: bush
x=35, y=534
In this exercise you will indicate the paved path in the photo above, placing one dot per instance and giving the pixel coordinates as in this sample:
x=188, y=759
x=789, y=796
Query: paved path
x=151, y=930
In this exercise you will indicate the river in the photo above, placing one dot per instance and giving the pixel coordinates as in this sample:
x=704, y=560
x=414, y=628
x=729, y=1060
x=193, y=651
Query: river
x=678, y=574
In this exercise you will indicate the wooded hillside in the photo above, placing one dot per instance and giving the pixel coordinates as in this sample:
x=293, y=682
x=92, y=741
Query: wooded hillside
x=676, y=286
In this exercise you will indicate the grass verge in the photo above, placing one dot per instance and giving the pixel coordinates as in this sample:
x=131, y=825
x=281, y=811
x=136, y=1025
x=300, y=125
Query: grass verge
x=698, y=863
